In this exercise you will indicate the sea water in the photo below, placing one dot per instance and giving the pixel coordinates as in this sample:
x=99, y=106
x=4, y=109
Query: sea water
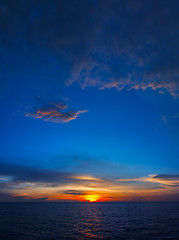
x=31, y=221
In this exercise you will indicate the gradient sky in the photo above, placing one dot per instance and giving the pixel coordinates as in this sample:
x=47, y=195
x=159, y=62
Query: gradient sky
x=89, y=97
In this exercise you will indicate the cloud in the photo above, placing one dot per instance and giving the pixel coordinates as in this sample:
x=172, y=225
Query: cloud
x=160, y=179
x=54, y=112
x=74, y=192
x=13, y=174
x=6, y=197
x=167, y=177
x=32, y=174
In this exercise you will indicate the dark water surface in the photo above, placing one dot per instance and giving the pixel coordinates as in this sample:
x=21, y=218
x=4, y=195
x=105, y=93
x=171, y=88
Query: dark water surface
x=26, y=221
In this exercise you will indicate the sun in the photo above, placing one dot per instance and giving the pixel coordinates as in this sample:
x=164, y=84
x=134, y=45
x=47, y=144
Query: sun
x=92, y=198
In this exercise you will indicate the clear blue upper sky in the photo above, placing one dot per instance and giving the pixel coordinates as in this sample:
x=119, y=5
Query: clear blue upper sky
x=88, y=88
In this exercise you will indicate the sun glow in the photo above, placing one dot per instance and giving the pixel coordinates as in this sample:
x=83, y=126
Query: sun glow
x=92, y=198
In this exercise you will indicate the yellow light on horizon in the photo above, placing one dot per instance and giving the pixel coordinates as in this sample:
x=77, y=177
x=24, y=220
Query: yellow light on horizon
x=92, y=198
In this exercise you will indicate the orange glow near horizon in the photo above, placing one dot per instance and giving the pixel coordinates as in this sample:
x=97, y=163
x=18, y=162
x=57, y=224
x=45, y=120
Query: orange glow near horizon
x=91, y=189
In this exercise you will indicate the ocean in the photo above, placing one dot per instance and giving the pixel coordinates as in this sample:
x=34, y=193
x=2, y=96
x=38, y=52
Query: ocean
x=135, y=221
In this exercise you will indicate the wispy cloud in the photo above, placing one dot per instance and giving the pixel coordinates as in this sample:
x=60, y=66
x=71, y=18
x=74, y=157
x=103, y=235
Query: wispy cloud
x=168, y=177
x=164, y=179
x=54, y=112
x=74, y=192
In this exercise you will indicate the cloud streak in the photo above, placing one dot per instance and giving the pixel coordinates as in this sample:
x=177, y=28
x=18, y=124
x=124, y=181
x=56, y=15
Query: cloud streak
x=167, y=177
x=54, y=112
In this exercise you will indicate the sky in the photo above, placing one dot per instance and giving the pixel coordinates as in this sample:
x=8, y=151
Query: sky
x=89, y=98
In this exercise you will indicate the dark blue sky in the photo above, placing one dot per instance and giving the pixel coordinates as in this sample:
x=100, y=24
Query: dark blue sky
x=89, y=94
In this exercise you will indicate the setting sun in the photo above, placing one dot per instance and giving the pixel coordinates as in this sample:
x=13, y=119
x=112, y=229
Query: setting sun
x=92, y=198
